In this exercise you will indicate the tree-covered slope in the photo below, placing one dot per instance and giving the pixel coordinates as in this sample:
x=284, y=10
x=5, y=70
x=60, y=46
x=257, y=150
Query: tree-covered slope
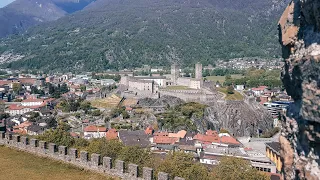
x=111, y=34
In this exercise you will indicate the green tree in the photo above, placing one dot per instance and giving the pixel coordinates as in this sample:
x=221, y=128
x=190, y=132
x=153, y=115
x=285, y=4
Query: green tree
x=58, y=136
x=182, y=165
x=231, y=168
x=103, y=147
x=16, y=87
x=230, y=90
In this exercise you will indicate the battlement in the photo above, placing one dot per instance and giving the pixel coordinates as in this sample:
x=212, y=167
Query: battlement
x=80, y=159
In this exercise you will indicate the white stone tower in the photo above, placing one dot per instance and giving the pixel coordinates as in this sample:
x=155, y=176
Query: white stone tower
x=174, y=73
x=198, y=69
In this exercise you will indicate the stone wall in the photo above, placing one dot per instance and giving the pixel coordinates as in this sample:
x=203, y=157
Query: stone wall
x=299, y=30
x=80, y=159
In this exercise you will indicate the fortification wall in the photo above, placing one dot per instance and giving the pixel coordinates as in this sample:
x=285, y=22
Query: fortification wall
x=80, y=159
x=189, y=95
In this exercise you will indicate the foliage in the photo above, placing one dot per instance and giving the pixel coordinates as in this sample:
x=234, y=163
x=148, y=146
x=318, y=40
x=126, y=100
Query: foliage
x=119, y=110
x=230, y=90
x=231, y=168
x=180, y=117
x=224, y=131
x=235, y=96
x=16, y=87
x=118, y=35
x=58, y=136
x=270, y=133
x=105, y=148
x=106, y=76
x=57, y=91
x=181, y=165
x=257, y=77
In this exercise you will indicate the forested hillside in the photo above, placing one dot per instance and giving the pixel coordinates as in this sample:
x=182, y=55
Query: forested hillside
x=115, y=34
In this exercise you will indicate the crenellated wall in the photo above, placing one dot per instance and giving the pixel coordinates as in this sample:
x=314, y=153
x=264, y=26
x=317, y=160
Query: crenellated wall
x=71, y=156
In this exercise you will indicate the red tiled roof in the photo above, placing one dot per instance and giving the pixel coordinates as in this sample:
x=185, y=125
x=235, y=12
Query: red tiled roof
x=179, y=134
x=164, y=140
x=149, y=130
x=73, y=134
x=95, y=129
x=161, y=134
x=112, y=134
x=23, y=125
x=228, y=140
x=17, y=107
x=206, y=138
x=33, y=100
x=27, y=80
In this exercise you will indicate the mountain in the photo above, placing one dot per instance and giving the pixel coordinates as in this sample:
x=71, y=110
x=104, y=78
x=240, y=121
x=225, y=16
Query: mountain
x=112, y=34
x=21, y=14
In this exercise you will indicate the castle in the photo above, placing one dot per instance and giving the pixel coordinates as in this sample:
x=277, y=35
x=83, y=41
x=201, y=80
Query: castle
x=149, y=85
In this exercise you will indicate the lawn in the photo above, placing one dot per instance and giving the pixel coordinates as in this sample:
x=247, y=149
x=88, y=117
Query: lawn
x=221, y=79
x=235, y=96
x=21, y=165
x=177, y=88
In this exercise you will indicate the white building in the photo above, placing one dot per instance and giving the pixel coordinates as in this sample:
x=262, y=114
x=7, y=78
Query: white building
x=94, y=132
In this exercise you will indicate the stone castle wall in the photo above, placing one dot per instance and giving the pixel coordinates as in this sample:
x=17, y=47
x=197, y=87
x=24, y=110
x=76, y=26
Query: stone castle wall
x=189, y=95
x=80, y=159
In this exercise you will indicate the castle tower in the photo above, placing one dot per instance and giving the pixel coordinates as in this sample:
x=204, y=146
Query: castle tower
x=174, y=73
x=198, y=69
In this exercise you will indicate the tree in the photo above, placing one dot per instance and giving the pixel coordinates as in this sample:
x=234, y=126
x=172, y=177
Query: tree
x=182, y=165
x=231, y=168
x=105, y=148
x=230, y=90
x=16, y=87
x=59, y=136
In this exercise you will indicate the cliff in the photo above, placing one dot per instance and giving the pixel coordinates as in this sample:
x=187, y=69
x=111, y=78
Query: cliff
x=299, y=31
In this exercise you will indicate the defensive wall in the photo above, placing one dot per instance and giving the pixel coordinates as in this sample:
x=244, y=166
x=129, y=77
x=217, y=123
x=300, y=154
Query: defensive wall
x=80, y=159
x=189, y=95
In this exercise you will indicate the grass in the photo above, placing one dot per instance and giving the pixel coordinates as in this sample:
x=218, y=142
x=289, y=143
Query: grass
x=235, y=96
x=221, y=79
x=109, y=102
x=21, y=165
x=177, y=88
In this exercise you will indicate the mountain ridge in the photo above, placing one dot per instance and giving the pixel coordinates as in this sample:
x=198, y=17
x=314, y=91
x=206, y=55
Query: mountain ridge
x=113, y=34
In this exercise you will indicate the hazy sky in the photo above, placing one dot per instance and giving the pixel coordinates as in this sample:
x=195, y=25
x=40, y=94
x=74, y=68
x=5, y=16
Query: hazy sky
x=5, y=2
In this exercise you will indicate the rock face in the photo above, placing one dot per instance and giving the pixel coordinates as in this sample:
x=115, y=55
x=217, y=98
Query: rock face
x=162, y=101
x=299, y=31
x=241, y=118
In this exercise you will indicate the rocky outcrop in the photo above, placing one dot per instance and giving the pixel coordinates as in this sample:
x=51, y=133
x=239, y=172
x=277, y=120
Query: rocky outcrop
x=299, y=31
x=241, y=118
x=165, y=101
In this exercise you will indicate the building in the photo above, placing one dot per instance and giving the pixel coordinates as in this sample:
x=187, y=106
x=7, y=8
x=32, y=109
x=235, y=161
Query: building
x=275, y=108
x=112, y=134
x=94, y=132
x=175, y=73
x=198, y=71
x=240, y=87
x=273, y=153
x=134, y=138
x=259, y=90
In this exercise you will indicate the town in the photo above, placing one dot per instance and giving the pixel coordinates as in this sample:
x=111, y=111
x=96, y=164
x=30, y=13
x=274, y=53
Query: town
x=137, y=111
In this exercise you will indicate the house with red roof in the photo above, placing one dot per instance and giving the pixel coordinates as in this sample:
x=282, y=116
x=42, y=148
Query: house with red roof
x=149, y=130
x=259, y=90
x=112, y=134
x=94, y=132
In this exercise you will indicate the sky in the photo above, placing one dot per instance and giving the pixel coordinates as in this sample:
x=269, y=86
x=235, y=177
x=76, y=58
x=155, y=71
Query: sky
x=5, y=2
